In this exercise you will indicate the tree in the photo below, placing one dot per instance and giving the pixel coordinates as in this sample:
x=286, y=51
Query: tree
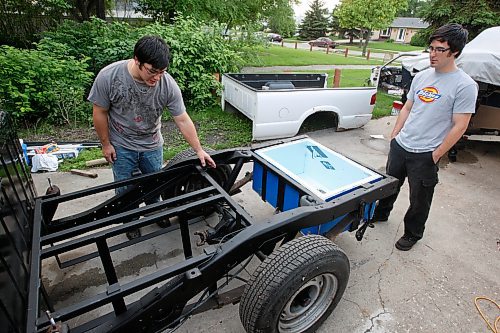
x=83, y=10
x=368, y=15
x=315, y=22
x=230, y=12
x=413, y=10
x=334, y=22
x=281, y=20
x=474, y=15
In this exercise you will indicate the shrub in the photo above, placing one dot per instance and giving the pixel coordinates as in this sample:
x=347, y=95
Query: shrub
x=197, y=49
x=419, y=39
x=103, y=43
x=39, y=84
x=390, y=40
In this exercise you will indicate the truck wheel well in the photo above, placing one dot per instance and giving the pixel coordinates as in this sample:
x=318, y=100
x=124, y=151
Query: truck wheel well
x=318, y=121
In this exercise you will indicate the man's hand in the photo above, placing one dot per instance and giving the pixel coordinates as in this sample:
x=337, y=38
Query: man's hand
x=436, y=156
x=205, y=158
x=109, y=153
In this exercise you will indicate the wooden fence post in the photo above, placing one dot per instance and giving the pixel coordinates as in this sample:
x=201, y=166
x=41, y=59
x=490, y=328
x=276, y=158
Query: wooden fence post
x=336, y=78
x=295, y=45
x=346, y=51
x=368, y=55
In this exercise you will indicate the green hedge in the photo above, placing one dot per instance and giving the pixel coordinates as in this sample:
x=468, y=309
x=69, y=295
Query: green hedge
x=37, y=84
x=52, y=81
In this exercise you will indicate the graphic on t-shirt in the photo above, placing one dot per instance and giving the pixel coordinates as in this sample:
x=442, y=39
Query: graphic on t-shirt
x=428, y=94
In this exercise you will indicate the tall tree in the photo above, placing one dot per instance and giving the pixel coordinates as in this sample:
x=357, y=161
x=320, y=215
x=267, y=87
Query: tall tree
x=334, y=21
x=315, y=22
x=413, y=10
x=231, y=12
x=475, y=15
x=368, y=15
x=282, y=21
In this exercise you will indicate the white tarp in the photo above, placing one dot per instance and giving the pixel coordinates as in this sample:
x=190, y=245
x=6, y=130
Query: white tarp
x=480, y=58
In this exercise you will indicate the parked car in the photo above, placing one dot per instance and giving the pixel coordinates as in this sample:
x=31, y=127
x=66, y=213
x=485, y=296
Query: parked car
x=323, y=42
x=274, y=37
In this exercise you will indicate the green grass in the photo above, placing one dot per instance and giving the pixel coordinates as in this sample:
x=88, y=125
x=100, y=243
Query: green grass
x=283, y=56
x=383, y=46
x=358, y=78
x=217, y=129
x=79, y=162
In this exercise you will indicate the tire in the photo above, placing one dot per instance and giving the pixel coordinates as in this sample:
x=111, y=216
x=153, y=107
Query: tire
x=296, y=288
x=196, y=182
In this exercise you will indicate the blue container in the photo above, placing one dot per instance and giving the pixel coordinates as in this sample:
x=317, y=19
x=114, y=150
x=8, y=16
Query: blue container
x=310, y=168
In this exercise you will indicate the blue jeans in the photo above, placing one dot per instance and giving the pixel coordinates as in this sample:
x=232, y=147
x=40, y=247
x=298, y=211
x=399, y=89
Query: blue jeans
x=128, y=161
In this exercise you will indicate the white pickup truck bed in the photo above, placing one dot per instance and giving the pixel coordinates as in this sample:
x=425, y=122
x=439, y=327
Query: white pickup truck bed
x=278, y=104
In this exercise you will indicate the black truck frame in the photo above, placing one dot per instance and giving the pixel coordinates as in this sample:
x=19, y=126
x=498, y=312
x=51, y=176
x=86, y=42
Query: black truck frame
x=29, y=235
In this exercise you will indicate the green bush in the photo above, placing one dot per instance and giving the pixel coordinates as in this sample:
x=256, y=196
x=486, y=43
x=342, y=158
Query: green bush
x=37, y=84
x=390, y=40
x=198, y=50
x=419, y=39
x=102, y=42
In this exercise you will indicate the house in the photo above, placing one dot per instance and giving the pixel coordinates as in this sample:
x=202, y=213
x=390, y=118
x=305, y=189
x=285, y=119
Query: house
x=401, y=29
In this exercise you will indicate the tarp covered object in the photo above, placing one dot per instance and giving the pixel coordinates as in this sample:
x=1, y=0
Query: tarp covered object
x=480, y=58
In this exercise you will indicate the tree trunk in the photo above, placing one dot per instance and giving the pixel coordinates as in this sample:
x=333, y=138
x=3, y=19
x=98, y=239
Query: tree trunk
x=367, y=39
x=100, y=10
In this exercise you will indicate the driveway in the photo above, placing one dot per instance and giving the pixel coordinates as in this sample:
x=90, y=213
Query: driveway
x=428, y=289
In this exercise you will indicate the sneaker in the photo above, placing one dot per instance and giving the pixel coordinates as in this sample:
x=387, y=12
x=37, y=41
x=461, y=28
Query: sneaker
x=132, y=234
x=405, y=243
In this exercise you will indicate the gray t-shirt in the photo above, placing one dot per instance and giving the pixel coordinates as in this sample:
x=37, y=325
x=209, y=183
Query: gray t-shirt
x=436, y=97
x=135, y=109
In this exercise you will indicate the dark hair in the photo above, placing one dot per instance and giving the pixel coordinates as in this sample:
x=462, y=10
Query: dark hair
x=152, y=50
x=454, y=34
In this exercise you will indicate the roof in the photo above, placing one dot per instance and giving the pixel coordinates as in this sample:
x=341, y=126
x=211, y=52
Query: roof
x=409, y=22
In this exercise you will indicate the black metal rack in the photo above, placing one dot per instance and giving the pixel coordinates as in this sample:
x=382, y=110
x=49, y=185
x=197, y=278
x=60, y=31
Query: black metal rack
x=33, y=235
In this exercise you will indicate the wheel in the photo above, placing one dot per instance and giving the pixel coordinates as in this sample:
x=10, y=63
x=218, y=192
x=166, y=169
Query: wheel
x=296, y=288
x=195, y=181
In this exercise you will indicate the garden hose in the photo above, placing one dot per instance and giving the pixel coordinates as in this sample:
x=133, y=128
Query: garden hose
x=495, y=327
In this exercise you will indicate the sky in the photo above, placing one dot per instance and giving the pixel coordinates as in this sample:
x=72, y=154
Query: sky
x=300, y=9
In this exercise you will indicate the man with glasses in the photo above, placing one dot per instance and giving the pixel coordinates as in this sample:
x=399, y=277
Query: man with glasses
x=440, y=103
x=128, y=98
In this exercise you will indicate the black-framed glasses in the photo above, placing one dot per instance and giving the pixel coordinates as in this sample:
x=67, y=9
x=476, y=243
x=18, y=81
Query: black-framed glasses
x=153, y=71
x=437, y=49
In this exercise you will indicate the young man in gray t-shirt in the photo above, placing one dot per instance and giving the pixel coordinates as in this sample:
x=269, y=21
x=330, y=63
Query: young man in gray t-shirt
x=128, y=98
x=440, y=103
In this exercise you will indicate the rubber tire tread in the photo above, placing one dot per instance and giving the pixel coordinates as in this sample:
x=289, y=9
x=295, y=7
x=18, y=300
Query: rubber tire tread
x=275, y=274
x=187, y=153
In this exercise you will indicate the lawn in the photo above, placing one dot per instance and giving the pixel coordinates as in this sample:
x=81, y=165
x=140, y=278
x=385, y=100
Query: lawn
x=358, y=78
x=384, y=46
x=283, y=56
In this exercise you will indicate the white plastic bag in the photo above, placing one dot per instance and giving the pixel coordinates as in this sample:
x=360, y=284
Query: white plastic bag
x=44, y=162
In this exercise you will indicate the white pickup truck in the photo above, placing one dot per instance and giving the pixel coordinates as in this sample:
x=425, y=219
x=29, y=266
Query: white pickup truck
x=278, y=104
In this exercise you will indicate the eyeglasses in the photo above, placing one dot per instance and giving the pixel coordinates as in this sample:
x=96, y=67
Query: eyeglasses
x=437, y=49
x=153, y=71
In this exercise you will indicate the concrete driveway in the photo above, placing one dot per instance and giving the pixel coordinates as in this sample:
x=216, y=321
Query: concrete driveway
x=428, y=289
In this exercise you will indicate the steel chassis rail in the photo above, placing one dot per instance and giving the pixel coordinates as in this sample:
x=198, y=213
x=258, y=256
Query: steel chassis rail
x=165, y=306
